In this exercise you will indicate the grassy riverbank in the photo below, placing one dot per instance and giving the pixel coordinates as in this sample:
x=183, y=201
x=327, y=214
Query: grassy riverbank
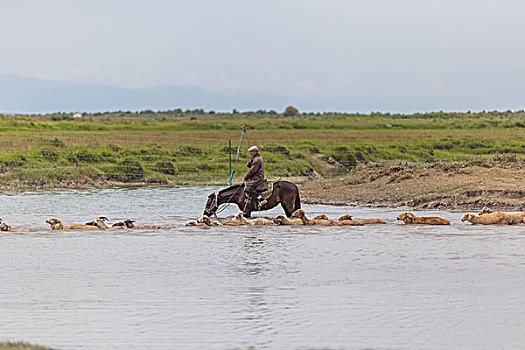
x=191, y=147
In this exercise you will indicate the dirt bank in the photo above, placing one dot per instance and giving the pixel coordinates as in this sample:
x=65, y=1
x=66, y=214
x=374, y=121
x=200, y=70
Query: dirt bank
x=452, y=186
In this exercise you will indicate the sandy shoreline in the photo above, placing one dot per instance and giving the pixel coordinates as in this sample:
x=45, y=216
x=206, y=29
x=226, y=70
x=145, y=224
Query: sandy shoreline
x=450, y=186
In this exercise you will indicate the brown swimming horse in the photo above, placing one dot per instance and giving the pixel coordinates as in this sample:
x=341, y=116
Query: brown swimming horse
x=284, y=192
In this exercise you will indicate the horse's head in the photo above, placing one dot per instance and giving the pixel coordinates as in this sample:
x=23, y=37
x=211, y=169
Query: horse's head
x=211, y=205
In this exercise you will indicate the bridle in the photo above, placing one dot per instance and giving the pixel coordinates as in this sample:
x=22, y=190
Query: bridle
x=214, y=207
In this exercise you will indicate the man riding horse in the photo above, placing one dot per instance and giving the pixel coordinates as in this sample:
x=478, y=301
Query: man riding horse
x=254, y=177
x=246, y=195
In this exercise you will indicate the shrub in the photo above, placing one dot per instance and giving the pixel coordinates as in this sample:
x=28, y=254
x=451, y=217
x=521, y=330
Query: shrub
x=127, y=170
x=188, y=150
x=83, y=155
x=360, y=157
x=114, y=148
x=277, y=149
x=349, y=159
x=61, y=116
x=443, y=146
x=298, y=126
x=165, y=168
x=49, y=153
x=56, y=142
x=17, y=161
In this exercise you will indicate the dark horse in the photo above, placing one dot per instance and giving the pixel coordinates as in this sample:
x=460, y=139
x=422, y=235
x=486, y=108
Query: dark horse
x=284, y=192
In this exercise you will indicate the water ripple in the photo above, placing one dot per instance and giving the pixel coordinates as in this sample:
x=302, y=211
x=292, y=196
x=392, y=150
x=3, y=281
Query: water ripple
x=378, y=286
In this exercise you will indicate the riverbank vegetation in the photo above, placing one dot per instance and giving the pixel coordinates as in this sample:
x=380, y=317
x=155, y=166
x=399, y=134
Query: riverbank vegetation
x=192, y=147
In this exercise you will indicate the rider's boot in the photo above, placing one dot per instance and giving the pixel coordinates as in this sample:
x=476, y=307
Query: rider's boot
x=246, y=213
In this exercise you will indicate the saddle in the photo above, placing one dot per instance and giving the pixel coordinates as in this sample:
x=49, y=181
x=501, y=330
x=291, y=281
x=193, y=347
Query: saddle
x=265, y=189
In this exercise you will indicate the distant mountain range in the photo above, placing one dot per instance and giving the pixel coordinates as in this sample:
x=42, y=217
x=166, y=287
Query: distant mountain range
x=20, y=94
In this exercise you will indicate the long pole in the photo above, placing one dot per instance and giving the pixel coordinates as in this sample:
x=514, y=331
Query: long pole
x=230, y=157
x=232, y=172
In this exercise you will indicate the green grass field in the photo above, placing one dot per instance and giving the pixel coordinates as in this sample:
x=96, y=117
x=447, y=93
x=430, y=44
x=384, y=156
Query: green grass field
x=187, y=147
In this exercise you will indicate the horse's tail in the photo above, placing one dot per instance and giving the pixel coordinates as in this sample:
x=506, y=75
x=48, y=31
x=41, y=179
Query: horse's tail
x=297, y=204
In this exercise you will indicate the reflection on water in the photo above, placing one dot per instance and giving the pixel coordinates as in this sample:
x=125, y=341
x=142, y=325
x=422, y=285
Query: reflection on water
x=254, y=259
x=377, y=286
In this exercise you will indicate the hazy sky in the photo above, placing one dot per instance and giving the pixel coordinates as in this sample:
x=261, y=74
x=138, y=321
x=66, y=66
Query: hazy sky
x=397, y=55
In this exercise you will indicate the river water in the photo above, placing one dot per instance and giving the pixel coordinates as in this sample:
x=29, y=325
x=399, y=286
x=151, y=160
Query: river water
x=375, y=287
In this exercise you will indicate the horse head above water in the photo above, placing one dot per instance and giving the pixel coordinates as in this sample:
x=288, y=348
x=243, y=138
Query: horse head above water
x=211, y=205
